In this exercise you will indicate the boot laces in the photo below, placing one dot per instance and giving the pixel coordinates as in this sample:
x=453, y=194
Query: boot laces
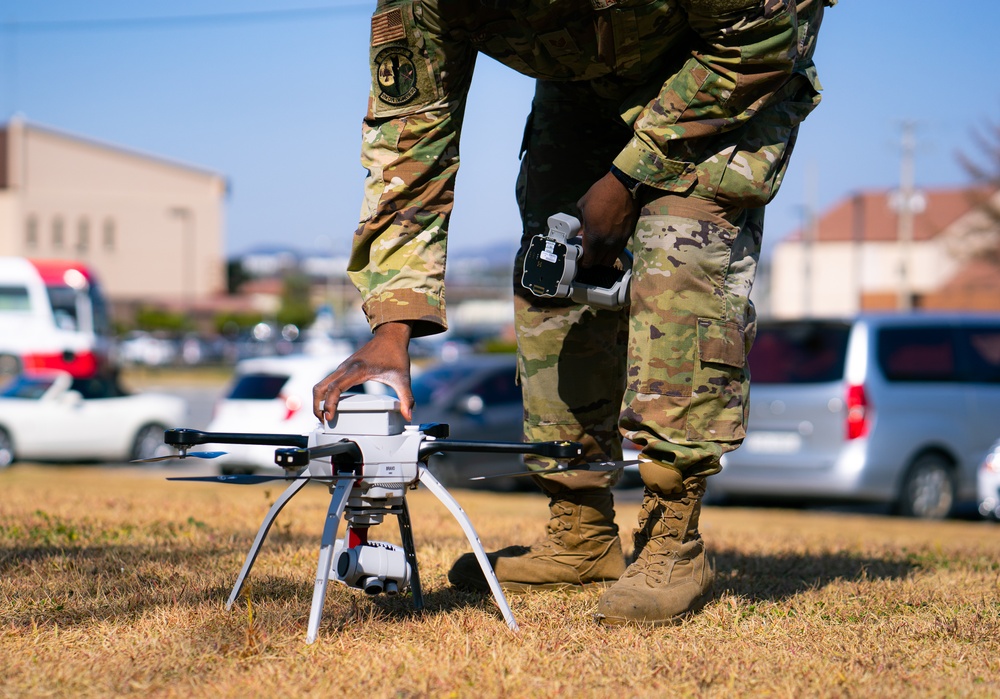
x=663, y=526
x=560, y=521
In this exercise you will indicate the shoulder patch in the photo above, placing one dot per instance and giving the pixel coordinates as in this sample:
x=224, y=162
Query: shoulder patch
x=388, y=26
x=396, y=75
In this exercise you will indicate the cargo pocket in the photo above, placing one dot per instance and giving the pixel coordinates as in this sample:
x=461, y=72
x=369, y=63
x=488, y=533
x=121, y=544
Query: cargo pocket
x=719, y=387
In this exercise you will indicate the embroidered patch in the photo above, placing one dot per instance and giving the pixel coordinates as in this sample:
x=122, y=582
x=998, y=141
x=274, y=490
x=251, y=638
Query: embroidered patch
x=396, y=75
x=559, y=43
x=387, y=27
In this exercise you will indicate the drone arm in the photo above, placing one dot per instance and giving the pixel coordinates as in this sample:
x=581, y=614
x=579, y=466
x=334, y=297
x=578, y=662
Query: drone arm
x=555, y=450
x=189, y=438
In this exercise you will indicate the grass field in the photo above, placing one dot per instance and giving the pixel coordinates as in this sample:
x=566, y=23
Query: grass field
x=113, y=582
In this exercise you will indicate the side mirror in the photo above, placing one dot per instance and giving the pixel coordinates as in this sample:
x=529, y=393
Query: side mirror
x=471, y=404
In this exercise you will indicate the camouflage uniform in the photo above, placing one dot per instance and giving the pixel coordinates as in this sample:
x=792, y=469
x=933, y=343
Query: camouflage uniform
x=698, y=99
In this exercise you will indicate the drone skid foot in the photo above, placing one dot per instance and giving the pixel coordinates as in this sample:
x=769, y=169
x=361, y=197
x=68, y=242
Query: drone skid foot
x=456, y=510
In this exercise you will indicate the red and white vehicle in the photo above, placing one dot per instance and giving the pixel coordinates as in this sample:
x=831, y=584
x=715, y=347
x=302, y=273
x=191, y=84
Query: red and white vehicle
x=52, y=316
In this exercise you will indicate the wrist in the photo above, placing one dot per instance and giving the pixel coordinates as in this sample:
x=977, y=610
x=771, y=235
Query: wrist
x=396, y=330
x=631, y=185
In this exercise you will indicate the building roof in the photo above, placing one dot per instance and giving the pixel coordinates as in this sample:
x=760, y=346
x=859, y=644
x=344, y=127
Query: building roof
x=17, y=122
x=869, y=216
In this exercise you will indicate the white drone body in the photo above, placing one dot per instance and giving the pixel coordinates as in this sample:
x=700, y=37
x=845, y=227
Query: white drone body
x=370, y=458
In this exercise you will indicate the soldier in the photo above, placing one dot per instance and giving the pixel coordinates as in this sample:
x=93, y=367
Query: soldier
x=665, y=126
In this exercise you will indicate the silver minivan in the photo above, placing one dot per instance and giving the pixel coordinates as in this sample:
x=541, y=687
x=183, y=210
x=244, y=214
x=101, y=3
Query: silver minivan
x=894, y=409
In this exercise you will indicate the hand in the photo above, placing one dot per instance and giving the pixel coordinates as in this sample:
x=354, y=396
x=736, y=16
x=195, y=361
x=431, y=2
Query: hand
x=608, y=214
x=384, y=359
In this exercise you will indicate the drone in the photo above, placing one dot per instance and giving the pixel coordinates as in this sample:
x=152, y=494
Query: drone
x=369, y=458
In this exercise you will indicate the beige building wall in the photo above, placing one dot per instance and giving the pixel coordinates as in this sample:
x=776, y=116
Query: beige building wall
x=152, y=229
x=830, y=279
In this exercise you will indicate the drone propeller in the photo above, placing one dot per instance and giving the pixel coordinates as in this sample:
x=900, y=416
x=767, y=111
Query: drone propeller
x=182, y=455
x=562, y=468
x=241, y=479
x=252, y=479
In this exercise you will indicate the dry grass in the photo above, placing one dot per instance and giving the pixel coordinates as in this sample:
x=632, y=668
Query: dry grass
x=114, y=583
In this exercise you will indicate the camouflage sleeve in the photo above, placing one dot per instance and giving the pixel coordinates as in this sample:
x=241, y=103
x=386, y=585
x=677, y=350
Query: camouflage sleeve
x=410, y=150
x=749, y=50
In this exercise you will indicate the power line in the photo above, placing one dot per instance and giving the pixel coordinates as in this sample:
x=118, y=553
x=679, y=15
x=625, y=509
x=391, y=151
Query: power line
x=177, y=21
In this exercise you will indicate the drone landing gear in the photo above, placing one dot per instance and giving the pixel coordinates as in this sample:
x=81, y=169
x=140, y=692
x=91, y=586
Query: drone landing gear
x=334, y=552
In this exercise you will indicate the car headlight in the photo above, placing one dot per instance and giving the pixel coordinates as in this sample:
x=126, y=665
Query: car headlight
x=992, y=462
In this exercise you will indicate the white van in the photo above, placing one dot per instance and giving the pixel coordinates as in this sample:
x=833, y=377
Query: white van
x=52, y=316
x=895, y=409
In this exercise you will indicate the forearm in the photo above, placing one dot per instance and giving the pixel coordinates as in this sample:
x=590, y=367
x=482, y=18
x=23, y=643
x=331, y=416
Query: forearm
x=747, y=53
x=398, y=257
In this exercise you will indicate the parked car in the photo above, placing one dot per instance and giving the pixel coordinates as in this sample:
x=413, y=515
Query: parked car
x=479, y=399
x=272, y=395
x=988, y=484
x=891, y=409
x=53, y=416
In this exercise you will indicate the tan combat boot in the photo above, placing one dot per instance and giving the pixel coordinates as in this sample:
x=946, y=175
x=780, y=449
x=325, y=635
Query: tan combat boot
x=581, y=548
x=671, y=575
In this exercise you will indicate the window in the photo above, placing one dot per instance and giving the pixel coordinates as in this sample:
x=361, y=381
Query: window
x=499, y=388
x=58, y=233
x=979, y=350
x=799, y=352
x=108, y=235
x=258, y=387
x=82, y=235
x=63, y=300
x=14, y=298
x=924, y=353
x=31, y=233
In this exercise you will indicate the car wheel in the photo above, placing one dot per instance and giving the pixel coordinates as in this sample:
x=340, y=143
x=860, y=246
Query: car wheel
x=928, y=490
x=6, y=449
x=148, y=443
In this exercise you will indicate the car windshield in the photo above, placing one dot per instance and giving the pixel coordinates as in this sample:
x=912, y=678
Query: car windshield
x=97, y=387
x=27, y=387
x=258, y=386
x=799, y=352
x=428, y=385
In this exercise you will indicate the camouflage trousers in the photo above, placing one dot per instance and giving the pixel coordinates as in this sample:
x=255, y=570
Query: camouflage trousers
x=669, y=371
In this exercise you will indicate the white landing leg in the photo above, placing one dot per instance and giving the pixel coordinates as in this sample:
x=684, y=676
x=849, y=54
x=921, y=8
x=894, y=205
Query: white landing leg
x=463, y=519
x=337, y=504
x=282, y=500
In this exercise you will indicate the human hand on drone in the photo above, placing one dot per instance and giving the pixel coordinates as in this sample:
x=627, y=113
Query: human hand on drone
x=608, y=215
x=385, y=358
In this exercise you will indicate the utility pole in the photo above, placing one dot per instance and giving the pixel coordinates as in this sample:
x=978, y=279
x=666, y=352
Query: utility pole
x=810, y=236
x=907, y=202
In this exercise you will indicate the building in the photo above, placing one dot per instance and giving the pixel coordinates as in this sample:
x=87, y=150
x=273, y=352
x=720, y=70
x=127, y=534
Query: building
x=152, y=229
x=869, y=253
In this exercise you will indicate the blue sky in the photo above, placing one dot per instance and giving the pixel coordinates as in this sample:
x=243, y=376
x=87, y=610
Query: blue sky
x=275, y=104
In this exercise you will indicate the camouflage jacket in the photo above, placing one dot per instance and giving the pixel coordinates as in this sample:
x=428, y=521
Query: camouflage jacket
x=684, y=71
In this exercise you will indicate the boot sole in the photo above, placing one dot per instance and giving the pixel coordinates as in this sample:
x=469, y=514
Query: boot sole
x=696, y=607
x=515, y=587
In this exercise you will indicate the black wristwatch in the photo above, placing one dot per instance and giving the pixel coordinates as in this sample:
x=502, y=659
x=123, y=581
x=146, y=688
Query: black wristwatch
x=630, y=183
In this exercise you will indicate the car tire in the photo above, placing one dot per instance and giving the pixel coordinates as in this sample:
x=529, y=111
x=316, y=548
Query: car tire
x=928, y=489
x=148, y=442
x=6, y=449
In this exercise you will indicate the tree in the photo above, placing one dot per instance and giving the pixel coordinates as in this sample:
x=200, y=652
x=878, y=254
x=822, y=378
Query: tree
x=982, y=240
x=296, y=308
